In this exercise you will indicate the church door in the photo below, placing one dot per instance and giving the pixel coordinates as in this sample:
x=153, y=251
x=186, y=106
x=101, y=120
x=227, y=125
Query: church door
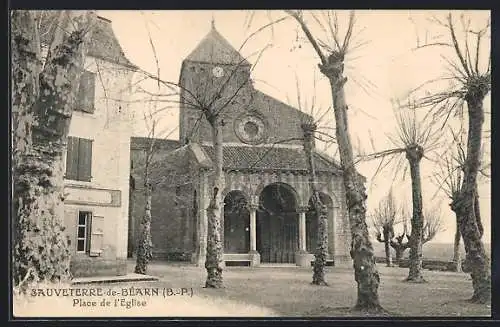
x=277, y=225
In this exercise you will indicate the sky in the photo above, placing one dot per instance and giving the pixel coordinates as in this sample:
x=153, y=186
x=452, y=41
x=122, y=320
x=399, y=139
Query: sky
x=382, y=65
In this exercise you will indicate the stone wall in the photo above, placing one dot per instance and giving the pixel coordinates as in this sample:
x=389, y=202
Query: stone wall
x=173, y=224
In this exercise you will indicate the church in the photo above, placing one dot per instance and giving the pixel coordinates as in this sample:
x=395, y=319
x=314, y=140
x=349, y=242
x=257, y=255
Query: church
x=267, y=213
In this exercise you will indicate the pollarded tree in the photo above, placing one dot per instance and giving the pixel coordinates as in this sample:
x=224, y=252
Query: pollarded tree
x=470, y=83
x=332, y=67
x=384, y=219
x=449, y=179
x=321, y=252
x=43, y=97
x=414, y=138
x=432, y=226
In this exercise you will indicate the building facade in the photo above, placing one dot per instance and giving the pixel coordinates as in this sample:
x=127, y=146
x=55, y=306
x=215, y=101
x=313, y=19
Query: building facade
x=97, y=164
x=267, y=213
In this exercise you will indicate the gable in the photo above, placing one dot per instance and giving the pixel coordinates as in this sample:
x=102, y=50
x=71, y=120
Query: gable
x=103, y=45
x=215, y=49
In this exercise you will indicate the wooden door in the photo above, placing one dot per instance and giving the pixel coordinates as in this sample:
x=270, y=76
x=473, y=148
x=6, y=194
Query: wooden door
x=277, y=238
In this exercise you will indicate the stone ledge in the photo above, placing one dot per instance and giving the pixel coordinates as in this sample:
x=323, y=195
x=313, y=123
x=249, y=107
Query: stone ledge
x=113, y=279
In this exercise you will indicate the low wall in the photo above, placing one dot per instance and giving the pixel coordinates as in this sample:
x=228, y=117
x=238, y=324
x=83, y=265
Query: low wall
x=439, y=265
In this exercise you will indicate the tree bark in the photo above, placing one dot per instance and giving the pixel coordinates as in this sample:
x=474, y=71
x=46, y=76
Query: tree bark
x=465, y=203
x=399, y=254
x=387, y=247
x=145, y=243
x=477, y=212
x=414, y=156
x=457, y=257
x=214, y=258
x=365, y=270
x=321, y=251
x=43, y=100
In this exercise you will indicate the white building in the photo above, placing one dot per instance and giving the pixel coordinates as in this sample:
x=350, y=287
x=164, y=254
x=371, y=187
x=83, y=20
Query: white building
x=97, y=162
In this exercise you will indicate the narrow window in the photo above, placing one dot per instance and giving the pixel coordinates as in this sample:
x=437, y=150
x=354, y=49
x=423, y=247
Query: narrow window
x=83, y=231
x=79, y=159
x=86, y=92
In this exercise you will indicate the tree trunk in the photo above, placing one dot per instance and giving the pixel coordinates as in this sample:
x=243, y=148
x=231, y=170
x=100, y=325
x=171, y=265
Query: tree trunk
x=465, y=203
x=388, y=256
x=43, y=101
x=399, y=254
x=365, y=270
x=417, y=223
x=457, y=257
x=214, y=258
x=145, y=244
x=477, y=212
x=321, y=251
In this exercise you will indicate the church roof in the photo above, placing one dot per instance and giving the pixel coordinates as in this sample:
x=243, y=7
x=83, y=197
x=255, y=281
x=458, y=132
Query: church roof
x=214, y=48
x=270, y=158
x=103, y=44
x=239, y=157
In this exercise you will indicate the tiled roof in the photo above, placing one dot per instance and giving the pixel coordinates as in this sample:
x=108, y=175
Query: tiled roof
x=214, y=48
x=250, y=158
x=104, y=43
x=264, y=158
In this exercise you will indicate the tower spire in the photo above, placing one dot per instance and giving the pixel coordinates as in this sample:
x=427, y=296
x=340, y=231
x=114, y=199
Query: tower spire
x=213, y=22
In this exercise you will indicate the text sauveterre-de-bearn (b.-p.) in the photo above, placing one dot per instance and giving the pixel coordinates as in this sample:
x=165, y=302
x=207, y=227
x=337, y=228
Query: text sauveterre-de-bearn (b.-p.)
x=110, y=297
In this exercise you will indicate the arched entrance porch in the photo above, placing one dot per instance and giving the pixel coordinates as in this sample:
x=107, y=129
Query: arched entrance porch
x=277, y=224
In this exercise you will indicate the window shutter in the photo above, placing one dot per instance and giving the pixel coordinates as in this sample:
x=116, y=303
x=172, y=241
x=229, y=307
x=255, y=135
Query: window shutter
x=96, y=236
x=86, y=92
x=72, y=158
x=85, y=160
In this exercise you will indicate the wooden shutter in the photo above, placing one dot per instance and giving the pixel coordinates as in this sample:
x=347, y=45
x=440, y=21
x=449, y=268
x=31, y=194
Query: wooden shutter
x=85, y=160
x=96, y=235
x=72, y=158
x=86, y=92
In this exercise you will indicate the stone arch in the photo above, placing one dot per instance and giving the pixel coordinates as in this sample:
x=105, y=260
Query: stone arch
x=262, y=186
x=238, y=187
x=335, y=201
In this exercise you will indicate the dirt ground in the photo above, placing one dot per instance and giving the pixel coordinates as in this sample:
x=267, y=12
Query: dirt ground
x=256, y=292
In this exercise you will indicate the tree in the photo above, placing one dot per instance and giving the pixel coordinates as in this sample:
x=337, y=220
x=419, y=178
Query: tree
x=332, y=67
x=432, y=226
x=449, y=179
x=414, y=138
x=320, y=209
x=470, y=83
x=384, y=218
x=43, y=96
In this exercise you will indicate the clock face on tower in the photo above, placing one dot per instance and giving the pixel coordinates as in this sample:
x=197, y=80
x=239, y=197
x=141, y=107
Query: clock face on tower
x=250, y=129
x=218, y=71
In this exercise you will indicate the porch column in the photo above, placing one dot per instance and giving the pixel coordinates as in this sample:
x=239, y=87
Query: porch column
x=255, y=256
x=302, y=257
x=302, y=228
x=253, y=228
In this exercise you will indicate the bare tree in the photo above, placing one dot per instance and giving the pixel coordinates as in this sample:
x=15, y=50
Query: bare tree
x=414, y=138
x=43, y=97
x=431, y=226
x=384, y=218
x=449, y=179
x=470, y=84
x=332, y=67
